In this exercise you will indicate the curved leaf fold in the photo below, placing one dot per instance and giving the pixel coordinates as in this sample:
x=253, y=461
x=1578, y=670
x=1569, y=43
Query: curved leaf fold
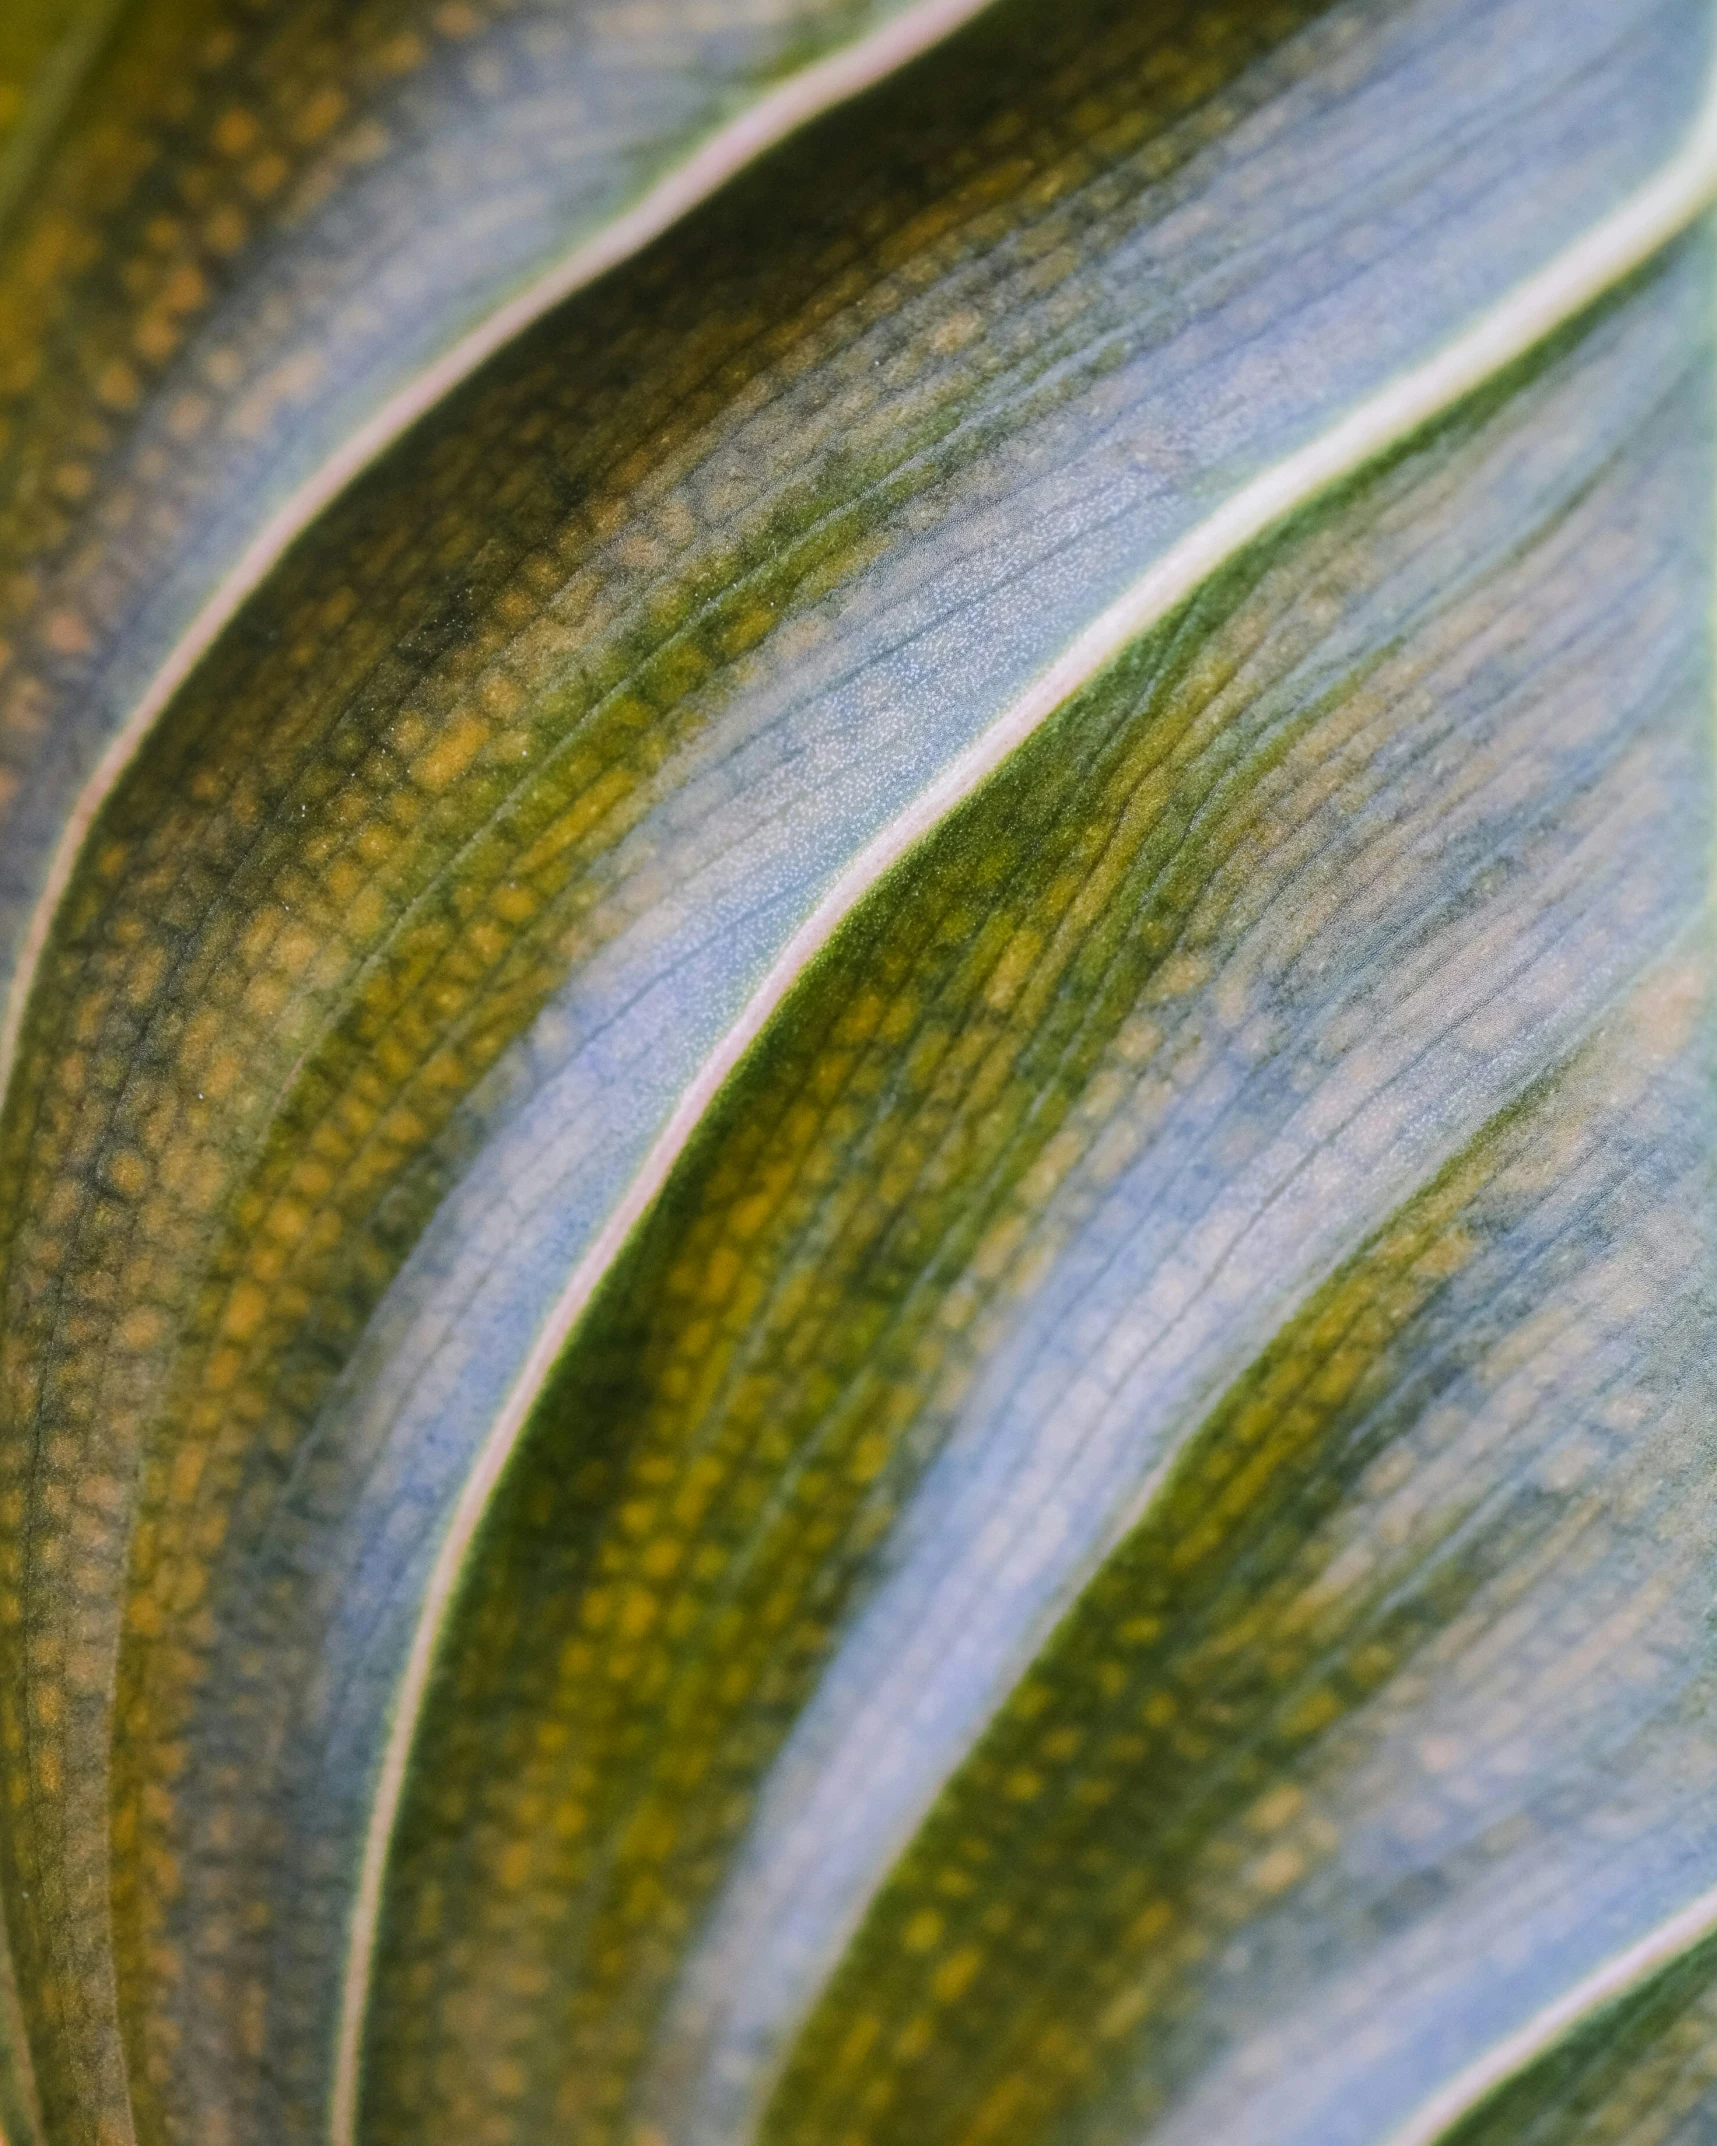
x=1250, y=940
x=1150, y=1452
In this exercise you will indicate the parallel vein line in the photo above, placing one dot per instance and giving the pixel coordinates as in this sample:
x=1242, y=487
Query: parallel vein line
x=1543, y=302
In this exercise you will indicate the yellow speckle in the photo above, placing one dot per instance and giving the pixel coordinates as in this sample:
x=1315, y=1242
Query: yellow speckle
x=955, y=332
x=142, y=1328
x=1149, y=1924
x=226, y=229
x=187, y=415
x=870, y=1457
x=264, y=175
x=450, y=754
x=319, y=114
x=401, y=54
x=155, y=338
x=235, y=131
x=245, y=1312
x=65, y=633
x=117, y=386
x=184, y=290
x=955, y=1975
x=921, y=1931
x=128, y=1174
x=1275, y=1807
x=1123, y=2012
x=1275, y=1872
x=661, y=1557
x=295, y=947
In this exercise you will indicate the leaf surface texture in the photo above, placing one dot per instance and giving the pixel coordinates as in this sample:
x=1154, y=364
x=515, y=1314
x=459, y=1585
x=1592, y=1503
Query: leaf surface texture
x=1094, y=1325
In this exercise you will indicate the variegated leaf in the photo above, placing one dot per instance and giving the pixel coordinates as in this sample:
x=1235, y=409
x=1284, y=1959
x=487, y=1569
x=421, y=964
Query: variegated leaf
x=858, y=1279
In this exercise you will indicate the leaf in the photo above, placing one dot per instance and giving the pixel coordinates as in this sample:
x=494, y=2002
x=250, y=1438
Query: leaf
x=856, y=1279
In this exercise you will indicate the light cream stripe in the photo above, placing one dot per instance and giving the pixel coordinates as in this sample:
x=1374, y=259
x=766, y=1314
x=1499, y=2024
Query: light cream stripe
x=1543, y=303
x=1615, y=1979
x=817, y=90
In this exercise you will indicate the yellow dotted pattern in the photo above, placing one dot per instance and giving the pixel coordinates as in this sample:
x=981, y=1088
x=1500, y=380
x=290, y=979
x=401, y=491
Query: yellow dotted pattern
x=358, y=855
x=1191, y=862
x=1236, y=1693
